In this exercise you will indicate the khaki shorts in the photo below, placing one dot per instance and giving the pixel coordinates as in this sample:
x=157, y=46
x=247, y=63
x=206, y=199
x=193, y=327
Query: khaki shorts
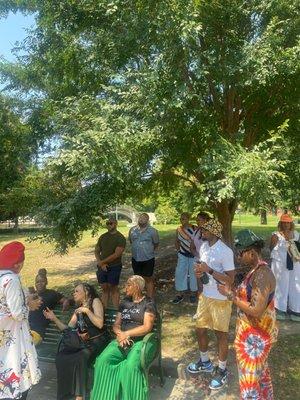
x=213, y=314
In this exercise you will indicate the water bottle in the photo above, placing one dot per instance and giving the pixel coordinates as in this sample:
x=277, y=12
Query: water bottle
x=204, y=278
x=82, y=328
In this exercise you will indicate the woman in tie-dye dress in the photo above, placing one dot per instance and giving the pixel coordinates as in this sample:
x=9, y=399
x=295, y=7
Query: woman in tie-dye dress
x=256, y=328
x=18, y=360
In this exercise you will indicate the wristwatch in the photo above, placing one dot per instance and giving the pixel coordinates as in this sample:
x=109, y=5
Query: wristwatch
x=211, y=271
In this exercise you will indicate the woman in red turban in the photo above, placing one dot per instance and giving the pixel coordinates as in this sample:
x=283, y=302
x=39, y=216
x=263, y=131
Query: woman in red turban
x=18, y=367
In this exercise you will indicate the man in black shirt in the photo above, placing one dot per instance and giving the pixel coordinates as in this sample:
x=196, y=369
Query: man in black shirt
x=50, y=298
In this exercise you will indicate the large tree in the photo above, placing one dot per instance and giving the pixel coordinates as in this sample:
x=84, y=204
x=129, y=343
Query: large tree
x=203, y=91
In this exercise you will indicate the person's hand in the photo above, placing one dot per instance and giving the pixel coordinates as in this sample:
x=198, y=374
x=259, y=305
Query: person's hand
x=225, y=289
x=49, y=314
x=103, y=266
x=123, y=339
x=34, y=302
x=125, y=343
x=199, y=268
x=83, y=310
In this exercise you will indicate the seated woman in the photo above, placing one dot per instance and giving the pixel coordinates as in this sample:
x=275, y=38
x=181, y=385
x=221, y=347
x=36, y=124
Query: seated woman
x=72, y=366
x=118, y=372
x=50, y=298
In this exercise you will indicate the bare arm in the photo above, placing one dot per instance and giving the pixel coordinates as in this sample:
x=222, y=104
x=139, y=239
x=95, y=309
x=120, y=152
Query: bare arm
x=118, y=252
x=262, y=286
x=177, y=243
x=193, y=248
x=155, y=239
x=97, y=253
x=273, y=242
x=226, y=278
x=117, y=324
x=143, y=329
x=95, y=316
x=49, y=314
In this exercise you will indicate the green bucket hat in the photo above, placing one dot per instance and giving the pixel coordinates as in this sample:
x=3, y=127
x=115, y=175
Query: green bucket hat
x=246, y=238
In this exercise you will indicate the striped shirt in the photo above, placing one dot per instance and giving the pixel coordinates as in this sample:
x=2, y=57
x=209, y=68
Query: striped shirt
x=184, y=236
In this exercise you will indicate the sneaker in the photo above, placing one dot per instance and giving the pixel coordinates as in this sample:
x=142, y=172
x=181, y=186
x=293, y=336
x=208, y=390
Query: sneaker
x=193, y=299
x=281, y=316
x=199, y=366
x=219, y=379
x=178, y=299
x=295, y=318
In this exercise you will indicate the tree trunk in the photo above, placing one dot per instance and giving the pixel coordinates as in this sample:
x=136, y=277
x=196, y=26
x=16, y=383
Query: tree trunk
x=225, y=213
x=263, y=217
x=16, y=223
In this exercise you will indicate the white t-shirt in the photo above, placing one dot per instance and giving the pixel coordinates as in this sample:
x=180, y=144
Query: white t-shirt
x=220, y=258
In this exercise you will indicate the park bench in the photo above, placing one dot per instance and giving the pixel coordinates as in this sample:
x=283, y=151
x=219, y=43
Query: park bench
x=151, y=349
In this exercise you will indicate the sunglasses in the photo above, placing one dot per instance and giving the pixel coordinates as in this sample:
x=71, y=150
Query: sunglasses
x=241, y=252
x=109, y=223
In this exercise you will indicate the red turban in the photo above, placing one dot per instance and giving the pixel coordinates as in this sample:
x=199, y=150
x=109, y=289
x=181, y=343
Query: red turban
x=11, y=254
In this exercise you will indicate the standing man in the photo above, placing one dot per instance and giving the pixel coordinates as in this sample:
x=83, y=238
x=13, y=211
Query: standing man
x=185, y=277
x=197, y=241
x=214, y=309
x=108, y=252
x=144, y=241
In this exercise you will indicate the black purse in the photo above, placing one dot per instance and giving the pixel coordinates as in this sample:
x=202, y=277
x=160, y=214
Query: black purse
x=70, y=341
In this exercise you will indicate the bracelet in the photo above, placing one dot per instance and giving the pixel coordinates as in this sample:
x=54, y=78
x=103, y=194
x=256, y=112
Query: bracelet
x=128, y=337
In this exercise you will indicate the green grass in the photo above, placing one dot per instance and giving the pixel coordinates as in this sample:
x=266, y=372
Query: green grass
x=285, y=367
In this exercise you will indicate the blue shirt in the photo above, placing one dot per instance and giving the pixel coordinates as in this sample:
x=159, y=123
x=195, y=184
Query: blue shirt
x=143, y=242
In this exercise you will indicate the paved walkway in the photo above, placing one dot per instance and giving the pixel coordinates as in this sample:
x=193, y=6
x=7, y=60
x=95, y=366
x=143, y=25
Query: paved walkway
x=46, y=389
x=174, y=389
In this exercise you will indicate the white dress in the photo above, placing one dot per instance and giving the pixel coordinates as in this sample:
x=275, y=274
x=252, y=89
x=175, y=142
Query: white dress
x=18, y=359
x=287, y=292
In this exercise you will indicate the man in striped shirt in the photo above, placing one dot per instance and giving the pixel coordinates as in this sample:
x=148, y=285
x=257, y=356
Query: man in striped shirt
x=185, y=278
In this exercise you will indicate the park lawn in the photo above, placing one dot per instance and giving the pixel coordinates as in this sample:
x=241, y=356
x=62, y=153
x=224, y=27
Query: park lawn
x=284, y=363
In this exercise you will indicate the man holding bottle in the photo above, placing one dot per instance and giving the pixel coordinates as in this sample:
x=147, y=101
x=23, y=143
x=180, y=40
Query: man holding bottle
x=214, y=310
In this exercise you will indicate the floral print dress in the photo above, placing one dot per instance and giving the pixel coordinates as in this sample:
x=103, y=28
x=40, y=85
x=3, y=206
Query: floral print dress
x=18, y=359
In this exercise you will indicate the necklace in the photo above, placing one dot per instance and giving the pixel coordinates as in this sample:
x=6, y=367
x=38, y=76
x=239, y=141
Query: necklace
x=138, y=300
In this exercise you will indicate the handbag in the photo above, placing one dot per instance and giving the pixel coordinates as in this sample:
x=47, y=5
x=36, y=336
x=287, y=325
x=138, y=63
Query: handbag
x=70, y=341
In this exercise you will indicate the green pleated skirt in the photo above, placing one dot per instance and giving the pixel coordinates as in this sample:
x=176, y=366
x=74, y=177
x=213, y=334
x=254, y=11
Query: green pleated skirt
x=118, y=374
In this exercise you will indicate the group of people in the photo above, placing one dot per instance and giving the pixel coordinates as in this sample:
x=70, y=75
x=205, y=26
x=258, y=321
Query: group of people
x=205, y=268
x=144, y=240
x=207, y=265
x=85, y=339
